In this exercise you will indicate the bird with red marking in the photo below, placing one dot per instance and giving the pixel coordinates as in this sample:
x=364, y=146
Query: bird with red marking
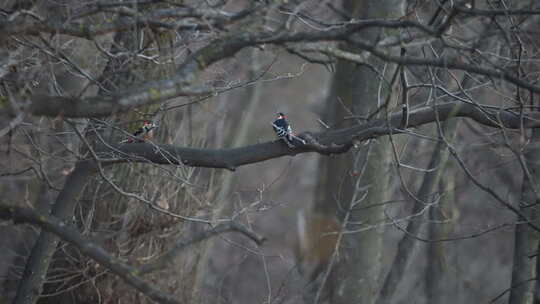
x=284, y=131
x=144, y=133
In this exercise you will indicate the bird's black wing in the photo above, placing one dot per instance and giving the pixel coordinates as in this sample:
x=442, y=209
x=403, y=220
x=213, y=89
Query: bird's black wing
x=138, y=132
x=281, y=127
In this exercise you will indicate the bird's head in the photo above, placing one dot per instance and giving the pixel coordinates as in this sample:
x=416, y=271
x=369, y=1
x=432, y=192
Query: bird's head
x=148, y=124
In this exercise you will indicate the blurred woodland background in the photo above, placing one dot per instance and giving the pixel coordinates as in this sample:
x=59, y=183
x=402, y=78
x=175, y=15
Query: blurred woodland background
x=418, y=183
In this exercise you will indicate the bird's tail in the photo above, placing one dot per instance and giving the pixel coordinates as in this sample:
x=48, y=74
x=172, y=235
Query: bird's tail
x=126, y=141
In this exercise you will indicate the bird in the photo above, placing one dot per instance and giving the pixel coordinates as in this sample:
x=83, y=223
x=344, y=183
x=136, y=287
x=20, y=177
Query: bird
x=284, y=131
x=144, y=133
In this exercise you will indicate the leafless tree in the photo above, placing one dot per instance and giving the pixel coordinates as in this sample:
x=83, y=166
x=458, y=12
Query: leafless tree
x=431, y=112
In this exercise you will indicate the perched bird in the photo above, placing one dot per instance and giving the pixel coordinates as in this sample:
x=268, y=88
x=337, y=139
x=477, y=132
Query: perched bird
x=284, y=131
x=144, y=133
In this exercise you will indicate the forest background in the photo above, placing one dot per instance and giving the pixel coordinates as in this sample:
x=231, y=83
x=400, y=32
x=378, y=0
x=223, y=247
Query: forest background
x=418, y=182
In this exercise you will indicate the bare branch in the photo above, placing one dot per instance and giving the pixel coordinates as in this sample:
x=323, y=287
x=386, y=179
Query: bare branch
x=162, y=261
x=329, y=142
x=89, y=248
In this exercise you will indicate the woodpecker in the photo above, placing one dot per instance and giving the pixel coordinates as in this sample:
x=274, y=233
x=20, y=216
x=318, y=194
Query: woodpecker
x=145, y=132
x=284, y=131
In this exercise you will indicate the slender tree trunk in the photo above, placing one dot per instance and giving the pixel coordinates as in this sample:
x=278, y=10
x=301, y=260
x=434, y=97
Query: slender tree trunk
x=537, y=281
x=35, y=271
x=238, y=135
x=442, y=211
x=526, y=239
x=407, y=244
x=357, y=91
x=440, y=279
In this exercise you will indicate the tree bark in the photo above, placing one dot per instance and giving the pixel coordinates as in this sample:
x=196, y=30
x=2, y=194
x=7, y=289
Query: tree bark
x=407, y=244
x=35, y=273
x=238, y=135
x=440, y=276
x=35, y=270
x=355, y=91
x=526, y=239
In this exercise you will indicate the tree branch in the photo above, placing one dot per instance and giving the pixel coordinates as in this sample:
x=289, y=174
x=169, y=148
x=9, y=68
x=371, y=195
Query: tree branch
x=330, y=142
x=89, y=248
x=183, y=82
x=167, y=257
x=37, y=264
x=128, y=273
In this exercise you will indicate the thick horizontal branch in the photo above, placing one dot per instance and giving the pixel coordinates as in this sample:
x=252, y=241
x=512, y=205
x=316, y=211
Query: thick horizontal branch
x=99, y=106
x=90, y=249
x=95, y=252
x=330, y=142
x=183, y=83
x=444, y=62
x=496, y=12
x=488, y=116
x=27, y=23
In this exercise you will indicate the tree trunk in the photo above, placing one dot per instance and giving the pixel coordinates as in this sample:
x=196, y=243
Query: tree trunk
x=407, y=244
x=526, y=239
x=440, y=276
x=357, y=91
x=35, y=271
x=238, y=135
